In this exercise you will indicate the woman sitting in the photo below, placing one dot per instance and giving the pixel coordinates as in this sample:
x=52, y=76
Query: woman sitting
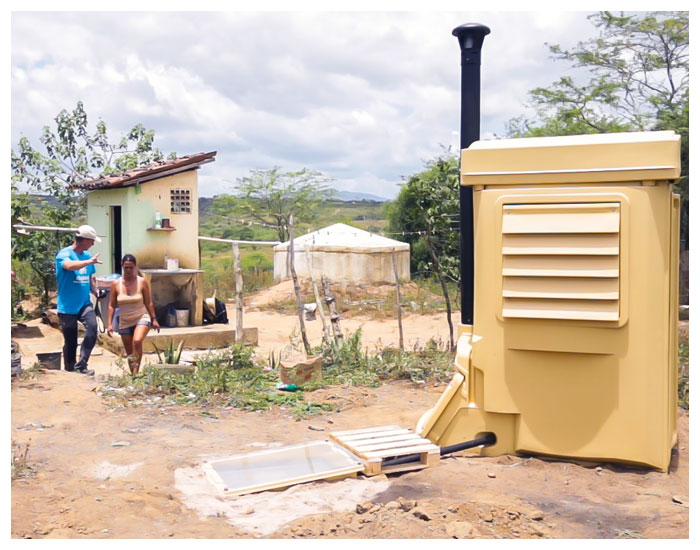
x=132, y=295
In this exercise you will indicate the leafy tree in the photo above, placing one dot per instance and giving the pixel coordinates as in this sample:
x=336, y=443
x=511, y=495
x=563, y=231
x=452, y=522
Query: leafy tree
x=272, y=197
x=436, y=189
x=238, y=233
x=638, y=79
x=70, y=153
x=427, y=212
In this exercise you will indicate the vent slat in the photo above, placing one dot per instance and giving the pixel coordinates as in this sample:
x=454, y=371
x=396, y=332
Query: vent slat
x=562, y=218
x=561, y=261
x=571, y=288
x=566, y=244
x=523, y=272
x=534, y=310
x=606, y=310
x=561, y=266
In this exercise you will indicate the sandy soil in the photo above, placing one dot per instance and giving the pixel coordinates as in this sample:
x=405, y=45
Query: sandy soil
x=135, y=472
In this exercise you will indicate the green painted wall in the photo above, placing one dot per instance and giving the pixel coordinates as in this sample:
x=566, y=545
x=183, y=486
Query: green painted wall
x=98, y=207
x=138, y=215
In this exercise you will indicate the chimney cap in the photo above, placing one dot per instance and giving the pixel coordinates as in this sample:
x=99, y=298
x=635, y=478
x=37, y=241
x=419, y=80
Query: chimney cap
x=471, y=36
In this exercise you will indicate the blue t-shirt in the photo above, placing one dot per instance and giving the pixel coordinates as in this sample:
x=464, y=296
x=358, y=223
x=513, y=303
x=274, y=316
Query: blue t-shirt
x=73, y=286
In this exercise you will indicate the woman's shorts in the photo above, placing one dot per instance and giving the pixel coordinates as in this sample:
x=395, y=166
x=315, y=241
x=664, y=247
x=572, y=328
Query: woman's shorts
x=129, y=331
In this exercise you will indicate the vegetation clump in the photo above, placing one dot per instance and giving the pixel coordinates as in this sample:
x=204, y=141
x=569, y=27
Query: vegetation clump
x=233, y=376
x=32, y=372
x=171, y=354
x=19, y=465
x=348, y=363
x=230, y=376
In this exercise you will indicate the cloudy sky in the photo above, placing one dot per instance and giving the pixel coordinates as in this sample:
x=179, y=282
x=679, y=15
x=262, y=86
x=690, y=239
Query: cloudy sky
x=365, y=97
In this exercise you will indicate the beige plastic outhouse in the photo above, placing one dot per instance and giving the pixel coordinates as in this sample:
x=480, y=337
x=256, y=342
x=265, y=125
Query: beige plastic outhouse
x=573, y=351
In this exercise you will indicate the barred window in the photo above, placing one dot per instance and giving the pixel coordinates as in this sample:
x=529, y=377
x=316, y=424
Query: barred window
x=180, y=201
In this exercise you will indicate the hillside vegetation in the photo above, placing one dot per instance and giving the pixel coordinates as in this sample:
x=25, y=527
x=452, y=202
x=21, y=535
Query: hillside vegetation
x=257, y=260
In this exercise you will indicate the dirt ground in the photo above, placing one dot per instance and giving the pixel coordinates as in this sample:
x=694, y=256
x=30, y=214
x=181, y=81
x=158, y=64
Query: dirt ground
x=111, y=473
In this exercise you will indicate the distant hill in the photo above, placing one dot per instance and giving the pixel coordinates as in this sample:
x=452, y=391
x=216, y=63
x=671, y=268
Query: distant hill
x=340, y=196
x=46, y=199
x=205, y=204
x=353, y=196
x=365, y=213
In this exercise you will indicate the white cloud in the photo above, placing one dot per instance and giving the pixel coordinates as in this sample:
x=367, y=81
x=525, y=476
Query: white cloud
x=363, y=97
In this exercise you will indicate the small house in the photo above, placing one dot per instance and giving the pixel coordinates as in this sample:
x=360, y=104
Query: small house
x=152, y=212
x=124, y=207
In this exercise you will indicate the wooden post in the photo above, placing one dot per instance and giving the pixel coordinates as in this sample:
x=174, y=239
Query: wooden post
x=297, y=288
x=398, y=296
x=239, y=291
x=326, y=328
x=330, y=301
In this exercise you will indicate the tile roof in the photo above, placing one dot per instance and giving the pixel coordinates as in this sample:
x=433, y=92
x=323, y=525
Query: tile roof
x=147, y=173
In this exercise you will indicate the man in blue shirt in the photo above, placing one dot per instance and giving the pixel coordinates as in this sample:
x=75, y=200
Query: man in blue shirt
x=75, y=270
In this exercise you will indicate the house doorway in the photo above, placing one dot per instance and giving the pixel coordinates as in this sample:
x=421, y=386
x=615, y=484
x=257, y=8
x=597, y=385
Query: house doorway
x=115, y=222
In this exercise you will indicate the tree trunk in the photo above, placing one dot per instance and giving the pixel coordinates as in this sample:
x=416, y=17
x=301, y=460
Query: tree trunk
x=398, y=297
x=297, y=288
x=326, y=328
x=330, y=301
x=239, y=291
x=46, y=299
x=438, y=272
x=45, y=281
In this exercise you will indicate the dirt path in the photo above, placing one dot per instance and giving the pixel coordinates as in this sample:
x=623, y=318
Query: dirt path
x=101, y=471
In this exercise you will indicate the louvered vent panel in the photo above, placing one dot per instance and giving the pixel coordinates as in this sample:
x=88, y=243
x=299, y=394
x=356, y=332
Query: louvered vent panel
x=561, y=261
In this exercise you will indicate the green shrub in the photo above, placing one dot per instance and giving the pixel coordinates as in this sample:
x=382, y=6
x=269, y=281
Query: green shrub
x=20, y=466
x=170, y=354
x=347, y=362
x=229, y=376
x=256, y=261
x=256, y=269
x=234, y=376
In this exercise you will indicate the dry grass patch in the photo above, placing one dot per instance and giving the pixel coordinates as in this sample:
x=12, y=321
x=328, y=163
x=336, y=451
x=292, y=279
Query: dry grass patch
x=376, y=301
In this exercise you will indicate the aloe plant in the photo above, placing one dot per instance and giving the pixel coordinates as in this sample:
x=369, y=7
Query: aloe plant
x=171, y=354
x=274, y=361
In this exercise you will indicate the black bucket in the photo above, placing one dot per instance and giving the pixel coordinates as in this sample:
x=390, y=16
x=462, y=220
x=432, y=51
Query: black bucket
x=50, y=360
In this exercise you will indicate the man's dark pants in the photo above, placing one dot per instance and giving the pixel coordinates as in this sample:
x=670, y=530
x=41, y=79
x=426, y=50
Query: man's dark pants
x=69, y=327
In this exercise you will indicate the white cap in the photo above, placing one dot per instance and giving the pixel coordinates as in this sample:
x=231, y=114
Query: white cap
x=88, y=232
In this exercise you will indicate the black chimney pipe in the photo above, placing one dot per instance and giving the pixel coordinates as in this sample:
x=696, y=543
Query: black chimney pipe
x=471, y=38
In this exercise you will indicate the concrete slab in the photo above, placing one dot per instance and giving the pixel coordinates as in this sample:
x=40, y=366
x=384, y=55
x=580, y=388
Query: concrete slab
x=196, y=337
x=203, y=337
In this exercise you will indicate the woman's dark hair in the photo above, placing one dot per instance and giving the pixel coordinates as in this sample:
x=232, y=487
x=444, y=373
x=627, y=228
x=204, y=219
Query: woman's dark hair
x=129, y=258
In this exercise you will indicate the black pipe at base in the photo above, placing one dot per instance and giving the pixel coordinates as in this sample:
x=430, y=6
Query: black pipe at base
x=488, y=439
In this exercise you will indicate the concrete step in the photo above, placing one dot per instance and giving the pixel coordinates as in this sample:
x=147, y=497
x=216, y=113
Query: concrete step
x=202, y=337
